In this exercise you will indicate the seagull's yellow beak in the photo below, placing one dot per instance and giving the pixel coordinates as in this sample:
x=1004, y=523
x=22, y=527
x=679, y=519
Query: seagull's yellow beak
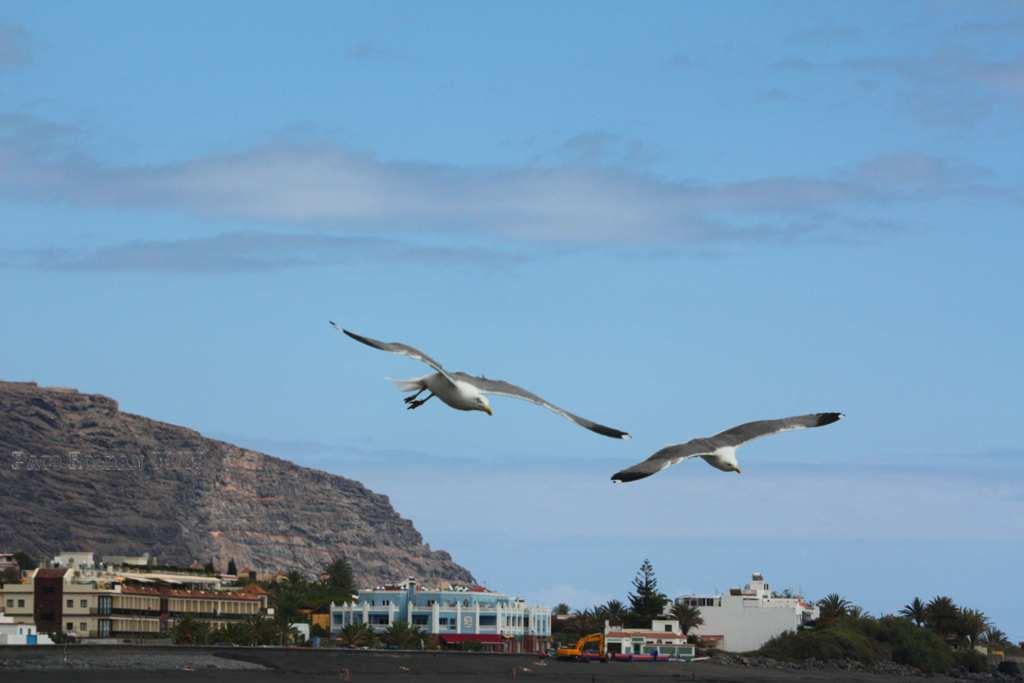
x=487, y=409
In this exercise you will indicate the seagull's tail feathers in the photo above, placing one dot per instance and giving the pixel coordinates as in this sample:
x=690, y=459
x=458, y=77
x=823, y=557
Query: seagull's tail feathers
x=408, y=384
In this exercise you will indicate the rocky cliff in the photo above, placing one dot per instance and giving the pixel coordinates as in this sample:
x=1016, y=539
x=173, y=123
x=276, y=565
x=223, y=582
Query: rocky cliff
x=76, y=473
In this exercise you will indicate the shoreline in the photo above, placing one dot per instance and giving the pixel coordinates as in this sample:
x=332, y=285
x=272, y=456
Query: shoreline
x=265, y=664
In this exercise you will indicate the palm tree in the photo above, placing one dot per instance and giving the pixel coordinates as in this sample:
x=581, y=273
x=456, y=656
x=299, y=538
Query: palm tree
x=403, y=636
x=357, y=635
x=283, y=631
x=615, y=612
x=941, y=615
x=191, y=631
x=237, y=633
x=587, y=621
x=261, y=630
x=688, y=617
x=916, y=611
x=970, y=625
x=562, y=608
x=857, y=612
x=833, y=606
x=994, y=637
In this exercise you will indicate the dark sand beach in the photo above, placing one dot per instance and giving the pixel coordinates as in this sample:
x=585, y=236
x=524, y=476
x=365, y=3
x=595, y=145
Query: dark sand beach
x=259, y=665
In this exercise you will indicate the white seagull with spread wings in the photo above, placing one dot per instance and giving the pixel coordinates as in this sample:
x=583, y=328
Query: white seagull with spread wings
x=466, y=392
x=719, y=451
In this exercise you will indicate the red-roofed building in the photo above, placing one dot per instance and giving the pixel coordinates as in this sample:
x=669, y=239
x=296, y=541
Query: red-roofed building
x=98, y=603
x=663, y=640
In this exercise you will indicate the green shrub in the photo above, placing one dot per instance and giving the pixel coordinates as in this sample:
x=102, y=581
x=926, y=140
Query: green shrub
x=975, y=662
x=908, y=644
x=837, y=641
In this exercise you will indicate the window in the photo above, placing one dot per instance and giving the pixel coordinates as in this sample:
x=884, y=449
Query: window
x=83, y=627
x=386, y=603
x=71, y=603
x=84, y=603
x=10, y=602
x=446, y=622
x=70, y=626
x=420, y=619
x=21, y=603
x=379, y=619
x=668, y=627
x=488, y=620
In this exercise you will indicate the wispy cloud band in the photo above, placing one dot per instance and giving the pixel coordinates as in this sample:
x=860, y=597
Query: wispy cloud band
x=328, y=186
x=248, y=251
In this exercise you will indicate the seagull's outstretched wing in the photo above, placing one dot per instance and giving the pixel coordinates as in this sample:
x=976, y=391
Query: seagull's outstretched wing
x=500, y=388
x=396, y=347
x=754, y=430
x=730, y=438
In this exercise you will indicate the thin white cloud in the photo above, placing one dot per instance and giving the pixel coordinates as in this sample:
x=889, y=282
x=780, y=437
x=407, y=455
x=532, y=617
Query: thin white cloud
x=247, y=252
x=330, y=186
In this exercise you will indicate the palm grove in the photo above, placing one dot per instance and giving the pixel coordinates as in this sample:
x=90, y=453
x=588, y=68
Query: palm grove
x=935, y=636
x=646, y=603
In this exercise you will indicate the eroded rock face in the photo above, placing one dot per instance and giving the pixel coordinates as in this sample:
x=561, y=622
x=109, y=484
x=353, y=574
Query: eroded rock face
x=78, y=474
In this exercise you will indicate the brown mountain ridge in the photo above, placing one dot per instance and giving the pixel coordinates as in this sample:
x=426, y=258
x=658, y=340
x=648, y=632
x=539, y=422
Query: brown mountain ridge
x=76, y=473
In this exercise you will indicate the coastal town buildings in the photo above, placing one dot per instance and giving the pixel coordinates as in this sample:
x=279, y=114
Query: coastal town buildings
x=455, y=614
x=744, y=619
x=81, y=598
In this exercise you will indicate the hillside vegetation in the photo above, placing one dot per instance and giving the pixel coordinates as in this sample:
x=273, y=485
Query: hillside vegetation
x=936, y=637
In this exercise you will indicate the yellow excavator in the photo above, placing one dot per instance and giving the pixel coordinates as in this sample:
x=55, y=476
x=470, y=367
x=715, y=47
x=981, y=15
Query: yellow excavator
x=580, y=651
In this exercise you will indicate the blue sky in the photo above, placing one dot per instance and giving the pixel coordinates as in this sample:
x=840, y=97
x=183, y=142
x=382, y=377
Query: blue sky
x=670, y=221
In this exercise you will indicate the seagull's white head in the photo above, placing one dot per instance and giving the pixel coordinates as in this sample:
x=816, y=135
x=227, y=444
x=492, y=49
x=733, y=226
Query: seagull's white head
x=482, y=404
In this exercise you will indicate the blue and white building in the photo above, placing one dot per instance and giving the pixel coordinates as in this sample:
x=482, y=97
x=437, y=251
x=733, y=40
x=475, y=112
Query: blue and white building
x=455, y=614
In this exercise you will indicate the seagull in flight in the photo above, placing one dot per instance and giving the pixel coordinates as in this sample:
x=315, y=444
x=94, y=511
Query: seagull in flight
x=719, y=450
x=466, y=392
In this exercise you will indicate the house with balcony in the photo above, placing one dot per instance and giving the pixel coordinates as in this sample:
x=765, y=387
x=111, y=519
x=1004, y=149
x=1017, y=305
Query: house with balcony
x=455, y=614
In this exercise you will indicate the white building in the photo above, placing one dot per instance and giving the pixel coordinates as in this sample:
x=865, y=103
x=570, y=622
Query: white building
x=143, y=560
x=746, y=618
x=75, y=560
x=19, y=633
x=455, y=614
x=663, y=640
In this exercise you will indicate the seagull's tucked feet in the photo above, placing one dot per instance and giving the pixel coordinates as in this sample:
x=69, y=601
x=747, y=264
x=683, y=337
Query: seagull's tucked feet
x=410, y=399
x=414, y=404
